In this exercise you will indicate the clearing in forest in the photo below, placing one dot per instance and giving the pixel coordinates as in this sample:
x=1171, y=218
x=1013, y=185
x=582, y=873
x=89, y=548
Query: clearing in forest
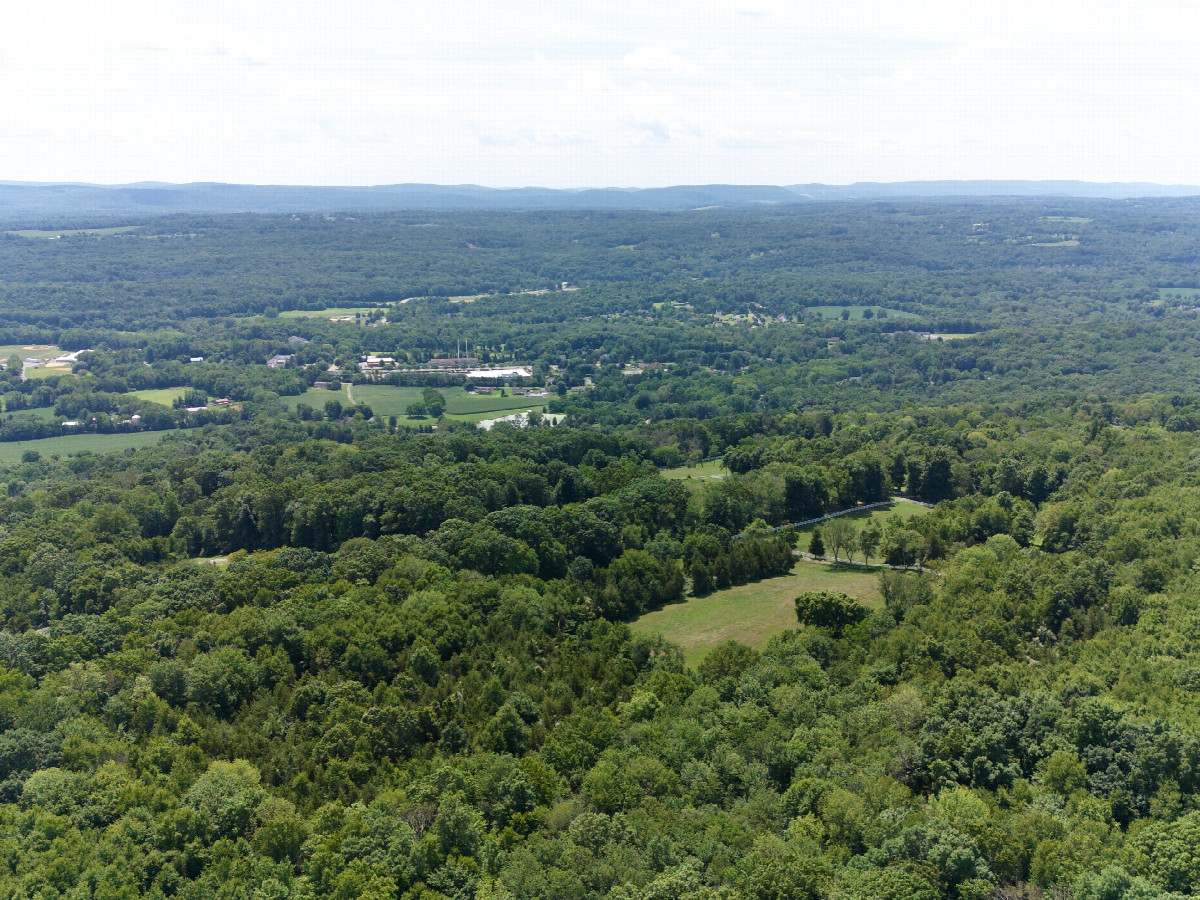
x=752, y=613
x=856, y=312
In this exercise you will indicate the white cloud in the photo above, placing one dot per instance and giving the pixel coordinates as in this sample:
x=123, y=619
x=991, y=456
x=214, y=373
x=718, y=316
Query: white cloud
x=588, y=93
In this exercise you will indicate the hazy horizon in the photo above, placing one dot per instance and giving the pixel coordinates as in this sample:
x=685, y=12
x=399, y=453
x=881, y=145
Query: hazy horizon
x=636, y=95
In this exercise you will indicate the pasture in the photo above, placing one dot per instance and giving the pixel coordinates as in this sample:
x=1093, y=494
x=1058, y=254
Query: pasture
x=40, y=414
x=10, y=451
x=752, y=613
x=163, y=396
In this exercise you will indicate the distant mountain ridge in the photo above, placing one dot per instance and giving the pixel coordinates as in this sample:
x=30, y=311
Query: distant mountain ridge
x=33, y=199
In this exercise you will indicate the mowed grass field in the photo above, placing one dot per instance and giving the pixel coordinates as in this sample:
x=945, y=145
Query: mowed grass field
x=856, y=312
x=695, y=477
x=164, y=396
x=330, y=313
x=10, y=451
x=29, y=351
x=1168, y=293
x=899, y=509
x=388, y=400
x=752, y=613
x=40, y=413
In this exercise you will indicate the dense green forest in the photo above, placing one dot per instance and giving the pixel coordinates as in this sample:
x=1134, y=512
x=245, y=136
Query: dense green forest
x=346, y=632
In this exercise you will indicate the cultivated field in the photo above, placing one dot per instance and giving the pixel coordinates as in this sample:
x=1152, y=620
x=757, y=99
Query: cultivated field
x=752, y=613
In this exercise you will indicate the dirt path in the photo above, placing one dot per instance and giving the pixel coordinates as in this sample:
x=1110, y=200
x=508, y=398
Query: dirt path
x=349, y=392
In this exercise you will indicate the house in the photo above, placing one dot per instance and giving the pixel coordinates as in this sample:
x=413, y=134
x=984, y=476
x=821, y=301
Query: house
x=296, y=341
x=70, y=424
x=223, y=401
x=196, y=359
x=321, y=386
x=278, y=362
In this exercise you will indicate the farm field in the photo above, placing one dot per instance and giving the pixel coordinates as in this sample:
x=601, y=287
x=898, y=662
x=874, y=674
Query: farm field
x=315, y=399
x=11, y=451
x=41, y=413
x=164, y=396
x=856, y=312
x=752, y=613
x=388, y=400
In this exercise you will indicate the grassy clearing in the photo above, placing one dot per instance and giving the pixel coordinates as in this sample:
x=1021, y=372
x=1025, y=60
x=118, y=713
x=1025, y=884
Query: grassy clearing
x=315, y=399
x=956, y=336
x=40, y=414
x=695, y=477
x=387, y=400
x=1167, y=293
x=1075, y=220
x=493, y=414
x=10, y=451
x=49, y=371
x=332, y=312
x=1070, y=243
x=97, y=232
x=856, y=312
x=164, y=396
x=30, y=351
x=898, y=510
x=752, y=613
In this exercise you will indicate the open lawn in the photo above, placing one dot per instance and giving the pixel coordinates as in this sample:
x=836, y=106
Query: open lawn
x=10, y=451
x=698, y=475
x=856, y=312
x=752, y=613
x=1167, y=293
x=30, y=351
x=387, y=400
x=40, y=414
x=49, y=370
x=1076, y=220
x=900, y=509
x=164, y=396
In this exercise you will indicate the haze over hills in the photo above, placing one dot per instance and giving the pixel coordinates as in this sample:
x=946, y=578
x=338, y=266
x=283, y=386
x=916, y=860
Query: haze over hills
x=22, y=200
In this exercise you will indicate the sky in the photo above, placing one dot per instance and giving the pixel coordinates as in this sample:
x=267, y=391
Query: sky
x=576, y=93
